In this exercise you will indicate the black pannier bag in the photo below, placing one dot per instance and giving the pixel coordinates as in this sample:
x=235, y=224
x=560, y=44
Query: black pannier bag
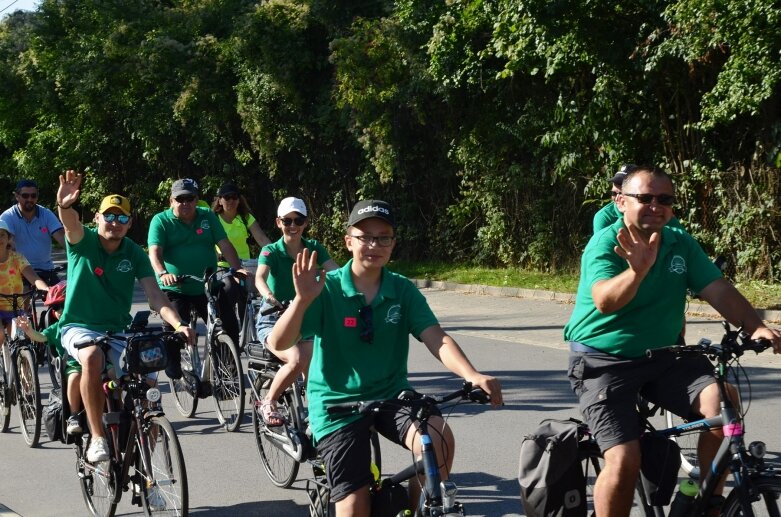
x=661, y=459
x=551, y=477
x=52, y=416
x=144, y=354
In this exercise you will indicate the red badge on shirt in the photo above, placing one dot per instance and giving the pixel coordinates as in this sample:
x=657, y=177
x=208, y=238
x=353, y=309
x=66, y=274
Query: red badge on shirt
x=99, y=271
x=44, y=230
x=265, y=253
x=199, y=231
x=350, y=322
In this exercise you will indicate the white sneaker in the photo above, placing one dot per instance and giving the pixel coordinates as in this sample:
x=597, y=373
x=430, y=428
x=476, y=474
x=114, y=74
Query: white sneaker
x=154, y=499
x=98, y=450
x=74, y=427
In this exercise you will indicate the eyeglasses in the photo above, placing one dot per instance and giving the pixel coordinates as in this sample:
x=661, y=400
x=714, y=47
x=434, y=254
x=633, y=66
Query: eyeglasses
x=298, y=221
x=28, y=195
x=370, y=240
x=613, y=193
x=367, y=324
x=646, y=199
x=185, y=199
x=230, y=197
x=120, y=218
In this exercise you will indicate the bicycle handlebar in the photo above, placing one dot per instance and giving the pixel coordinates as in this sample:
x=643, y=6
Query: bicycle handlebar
x=275, y=308
x=734, y=344
x=467, y=392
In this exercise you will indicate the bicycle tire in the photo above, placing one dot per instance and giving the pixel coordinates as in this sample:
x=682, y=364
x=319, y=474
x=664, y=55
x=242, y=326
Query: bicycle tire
x=688, y=444
x=185, y=389
x=164, y=491
x=5, y=392
x=767, y=493
x=53, y=364
x=99, y=488
x=227, y=382
x=280, y=467
x=29, y=397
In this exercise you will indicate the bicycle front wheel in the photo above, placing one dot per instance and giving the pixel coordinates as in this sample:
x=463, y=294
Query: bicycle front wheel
x=29, y=397
x=688, y=444
x=164, y=488
x=764, y=496
x=280, y=467
x=5, y=395
x=227, y=381
x=185, y=389
x=99, y=483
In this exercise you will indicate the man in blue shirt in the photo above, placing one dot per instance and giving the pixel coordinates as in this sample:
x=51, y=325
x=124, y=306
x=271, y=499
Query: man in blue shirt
x=33, y=227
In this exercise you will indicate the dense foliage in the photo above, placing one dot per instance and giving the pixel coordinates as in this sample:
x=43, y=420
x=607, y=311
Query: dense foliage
x=492, y=125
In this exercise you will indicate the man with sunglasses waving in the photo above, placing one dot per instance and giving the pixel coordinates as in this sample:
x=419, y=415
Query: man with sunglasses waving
x=361, y=316
x=632, y=294
x=103, y=266
x=181, y=242
x=34, y=226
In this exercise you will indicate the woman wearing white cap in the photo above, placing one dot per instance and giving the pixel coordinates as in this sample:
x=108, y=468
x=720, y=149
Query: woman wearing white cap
x=274, y=281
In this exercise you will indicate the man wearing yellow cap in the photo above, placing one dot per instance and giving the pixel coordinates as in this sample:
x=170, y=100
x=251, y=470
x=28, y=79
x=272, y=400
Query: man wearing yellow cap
x=103, y=266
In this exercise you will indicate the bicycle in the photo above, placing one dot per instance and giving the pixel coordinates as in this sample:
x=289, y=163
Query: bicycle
x=755, y=481
x=283, y=449
x=19, y=384
x=144, y=451
x=220, y=374
x=438, y=498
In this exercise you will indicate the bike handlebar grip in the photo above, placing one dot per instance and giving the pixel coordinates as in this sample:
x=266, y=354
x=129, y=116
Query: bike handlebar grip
x=270, y=310
x=478, y=395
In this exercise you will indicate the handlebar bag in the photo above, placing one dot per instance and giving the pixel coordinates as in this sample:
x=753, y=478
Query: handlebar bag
x=144, y=354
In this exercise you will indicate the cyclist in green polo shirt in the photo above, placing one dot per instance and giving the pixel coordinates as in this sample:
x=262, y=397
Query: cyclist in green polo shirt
x=361, y=316
x=634, y=279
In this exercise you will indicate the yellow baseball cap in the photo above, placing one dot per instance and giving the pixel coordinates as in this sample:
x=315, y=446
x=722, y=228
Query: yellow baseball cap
x=115, y=201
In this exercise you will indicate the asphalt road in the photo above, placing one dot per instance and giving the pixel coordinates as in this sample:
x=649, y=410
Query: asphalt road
x=517, y=340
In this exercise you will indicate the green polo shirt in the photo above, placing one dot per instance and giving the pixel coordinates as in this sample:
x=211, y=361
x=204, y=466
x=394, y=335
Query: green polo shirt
x=237, y=233
x=609, y=214
x=654, y=318
x=100, y=285
x=280, y=264
x=188, y=249
x=344, y=368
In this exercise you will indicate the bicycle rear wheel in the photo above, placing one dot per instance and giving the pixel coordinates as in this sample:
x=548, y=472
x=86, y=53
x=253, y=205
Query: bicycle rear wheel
x=29, y=397
x=280, y=467
x=164, y=489
x=98, y=482
x=227, y=381
x=5, y=394
x=764, y=498
x=185, y=389
x=53, y=364
x=688, y=444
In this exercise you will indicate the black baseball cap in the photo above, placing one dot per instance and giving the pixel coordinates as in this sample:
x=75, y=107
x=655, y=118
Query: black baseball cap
x=184, y=187
x=228, y=188
x=625, y=169
x=371, y=208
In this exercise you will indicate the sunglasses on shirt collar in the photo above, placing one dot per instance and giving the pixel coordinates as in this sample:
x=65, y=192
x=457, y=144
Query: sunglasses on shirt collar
x=366, y=314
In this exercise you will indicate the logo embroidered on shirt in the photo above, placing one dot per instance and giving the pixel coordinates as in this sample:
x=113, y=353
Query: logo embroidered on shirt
x=124, y=266
x=205, y=224
x=678, y=265
x=394, y=314
x=199, y=231
x=350, y=322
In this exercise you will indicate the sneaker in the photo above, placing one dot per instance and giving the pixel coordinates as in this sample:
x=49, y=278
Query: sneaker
x=74, y=425
x=154, y=499
x=98, y=450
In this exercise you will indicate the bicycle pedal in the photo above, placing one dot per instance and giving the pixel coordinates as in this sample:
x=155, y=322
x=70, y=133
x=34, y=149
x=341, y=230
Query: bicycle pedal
x=204, y=390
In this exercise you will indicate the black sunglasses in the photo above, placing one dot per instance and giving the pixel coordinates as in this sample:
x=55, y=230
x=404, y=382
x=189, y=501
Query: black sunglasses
x=613, y=193
x=367, y=324
x=646, y=199
x=287, y=221
x=231, y=197
x=185, y=199
x=28, y=195
x=120, y=218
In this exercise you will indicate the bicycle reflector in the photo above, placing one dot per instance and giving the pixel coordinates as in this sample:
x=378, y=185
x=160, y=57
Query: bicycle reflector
x=153, y=395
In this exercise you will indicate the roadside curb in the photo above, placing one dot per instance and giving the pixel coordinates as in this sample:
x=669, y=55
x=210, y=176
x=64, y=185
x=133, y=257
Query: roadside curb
x=692, y=309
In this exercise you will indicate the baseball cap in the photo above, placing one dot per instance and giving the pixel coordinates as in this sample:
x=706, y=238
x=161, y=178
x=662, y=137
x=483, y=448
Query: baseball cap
x=184, y=186
x=291, y=204
x=371, y=208
x=625, y=169
x=4, y=226
x=115, y=201
x=25, y=183
x=227, y=188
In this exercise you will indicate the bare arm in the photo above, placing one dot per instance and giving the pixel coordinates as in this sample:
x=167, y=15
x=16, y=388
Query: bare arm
x=32, y=277
x=309, y=285
x=67, y=195
x=159, y=302
x=330, y=265
x=59, y=236
x=447, y=351
x=615, y=293
x=258, y=234
x=737, y=310
x=229, y=252
x=156, y=258
x=261, y=277
x=24, y=323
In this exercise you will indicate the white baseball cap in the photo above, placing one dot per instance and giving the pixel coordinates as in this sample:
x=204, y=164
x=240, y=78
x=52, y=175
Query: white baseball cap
x=291, y=204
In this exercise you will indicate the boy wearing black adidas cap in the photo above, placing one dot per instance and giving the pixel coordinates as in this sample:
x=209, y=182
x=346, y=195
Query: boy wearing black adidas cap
x=361, y=316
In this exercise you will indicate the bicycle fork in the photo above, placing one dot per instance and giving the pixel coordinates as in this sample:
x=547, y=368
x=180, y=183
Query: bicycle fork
x=439, y=497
